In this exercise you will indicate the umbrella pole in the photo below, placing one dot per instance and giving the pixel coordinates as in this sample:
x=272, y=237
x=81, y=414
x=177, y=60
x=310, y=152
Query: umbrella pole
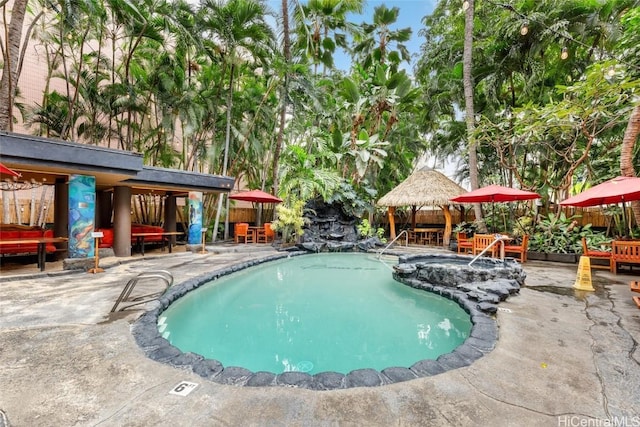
x=493, y=217
x=259, y=215
x=624, y=219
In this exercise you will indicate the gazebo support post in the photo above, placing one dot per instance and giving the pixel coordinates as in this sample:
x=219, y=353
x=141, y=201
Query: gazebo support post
x=414, y=208
x=392, y=222
x=446, y=237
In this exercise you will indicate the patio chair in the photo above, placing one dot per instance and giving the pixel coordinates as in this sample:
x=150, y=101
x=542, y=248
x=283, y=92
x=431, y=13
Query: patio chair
x=266, y=234
x=465, y=244
x=519, y=249
x=597, y=255
x=241, y=232
x=483, y=241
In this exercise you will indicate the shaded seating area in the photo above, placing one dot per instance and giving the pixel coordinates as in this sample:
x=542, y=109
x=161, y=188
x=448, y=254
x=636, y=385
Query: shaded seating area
x=18, y=239
x=594, y=255
x=431, y=236
x=520, y=250
x=465, y=244
x=265, y=234
x=242, y=233
x=423, y=188
x=625, y=252
x=483, y=241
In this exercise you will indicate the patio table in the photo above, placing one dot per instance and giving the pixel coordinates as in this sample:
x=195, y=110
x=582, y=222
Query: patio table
x=429, y=235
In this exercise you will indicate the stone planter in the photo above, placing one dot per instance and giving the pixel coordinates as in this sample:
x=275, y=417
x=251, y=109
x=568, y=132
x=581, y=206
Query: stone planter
x=536, y=256
x=566, y=258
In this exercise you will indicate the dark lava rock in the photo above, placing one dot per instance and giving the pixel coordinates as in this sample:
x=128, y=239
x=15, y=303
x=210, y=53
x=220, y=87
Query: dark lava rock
x=233, y=375
x=261, y=379
x=488, y=307
x=469, y=353
x=452, y=361
x=399, y=374
x=330, y=380
x=364, y=378
x=208, y=368
x=295, y=379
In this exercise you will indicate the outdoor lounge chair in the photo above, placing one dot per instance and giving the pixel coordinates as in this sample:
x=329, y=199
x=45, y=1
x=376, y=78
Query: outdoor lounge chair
x=242, y=233
x=595, y=255
x=465, y=244
x=482, y=242
x=266, y=234
x=519, y=249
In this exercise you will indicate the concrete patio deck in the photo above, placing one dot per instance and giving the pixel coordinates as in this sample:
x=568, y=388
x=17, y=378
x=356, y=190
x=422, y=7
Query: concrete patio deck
x=563, y=358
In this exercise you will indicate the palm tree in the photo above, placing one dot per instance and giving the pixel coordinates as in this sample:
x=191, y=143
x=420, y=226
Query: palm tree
x=630, y=44
x=317, y=20
x=284, y=94
x=243, y=35
x=373, y=49
x=470, y=114
x=12, y=59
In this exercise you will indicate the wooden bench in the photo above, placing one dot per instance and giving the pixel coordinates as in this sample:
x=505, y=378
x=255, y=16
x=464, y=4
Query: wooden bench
x=624, y=252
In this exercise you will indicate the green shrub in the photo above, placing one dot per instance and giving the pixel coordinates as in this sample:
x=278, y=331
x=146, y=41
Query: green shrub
x=290, y=221
x=367, y=230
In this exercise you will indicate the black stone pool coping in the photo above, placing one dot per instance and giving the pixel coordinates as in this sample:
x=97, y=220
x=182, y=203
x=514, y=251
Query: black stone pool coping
x=482, y=340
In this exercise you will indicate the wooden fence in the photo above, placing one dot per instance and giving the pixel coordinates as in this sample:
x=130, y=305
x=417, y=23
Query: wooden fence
x=594, y=216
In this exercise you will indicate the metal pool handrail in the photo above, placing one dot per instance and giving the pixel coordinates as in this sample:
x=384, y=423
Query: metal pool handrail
x=397, y=237
x=163, y=275
x=498, y=238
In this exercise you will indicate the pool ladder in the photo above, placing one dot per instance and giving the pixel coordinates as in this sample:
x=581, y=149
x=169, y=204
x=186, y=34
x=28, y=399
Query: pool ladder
x=393, y=241
x=163, y=275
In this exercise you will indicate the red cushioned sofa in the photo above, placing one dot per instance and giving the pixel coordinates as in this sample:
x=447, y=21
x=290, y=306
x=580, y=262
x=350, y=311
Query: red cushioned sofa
x=107, y=240
x=14, y=231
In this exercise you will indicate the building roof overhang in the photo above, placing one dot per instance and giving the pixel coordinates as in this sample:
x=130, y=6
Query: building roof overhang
x=49, y=160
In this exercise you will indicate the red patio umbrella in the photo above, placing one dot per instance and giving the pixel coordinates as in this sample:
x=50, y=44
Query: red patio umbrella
x=495, y=193
x=617, y=190
x=256, y=196
x=5, y=171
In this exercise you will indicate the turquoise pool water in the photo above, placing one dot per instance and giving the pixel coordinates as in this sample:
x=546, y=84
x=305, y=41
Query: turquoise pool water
x=314, y=313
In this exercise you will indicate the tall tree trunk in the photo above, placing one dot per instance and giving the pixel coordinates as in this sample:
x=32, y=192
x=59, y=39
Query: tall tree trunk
x=467, y=81
x=626, y=153
x=32, y=208
x=16, y=206
x=42, y=211
x=227, y=143
x=283, y=96
x=9, y=81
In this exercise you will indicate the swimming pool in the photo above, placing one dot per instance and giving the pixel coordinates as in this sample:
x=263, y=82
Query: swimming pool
x=335, y=312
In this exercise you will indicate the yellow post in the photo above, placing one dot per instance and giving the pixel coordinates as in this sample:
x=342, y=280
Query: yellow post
x=583, y=279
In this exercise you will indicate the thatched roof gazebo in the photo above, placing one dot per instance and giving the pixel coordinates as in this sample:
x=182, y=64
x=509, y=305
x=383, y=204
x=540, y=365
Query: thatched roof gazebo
x=425, y=187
